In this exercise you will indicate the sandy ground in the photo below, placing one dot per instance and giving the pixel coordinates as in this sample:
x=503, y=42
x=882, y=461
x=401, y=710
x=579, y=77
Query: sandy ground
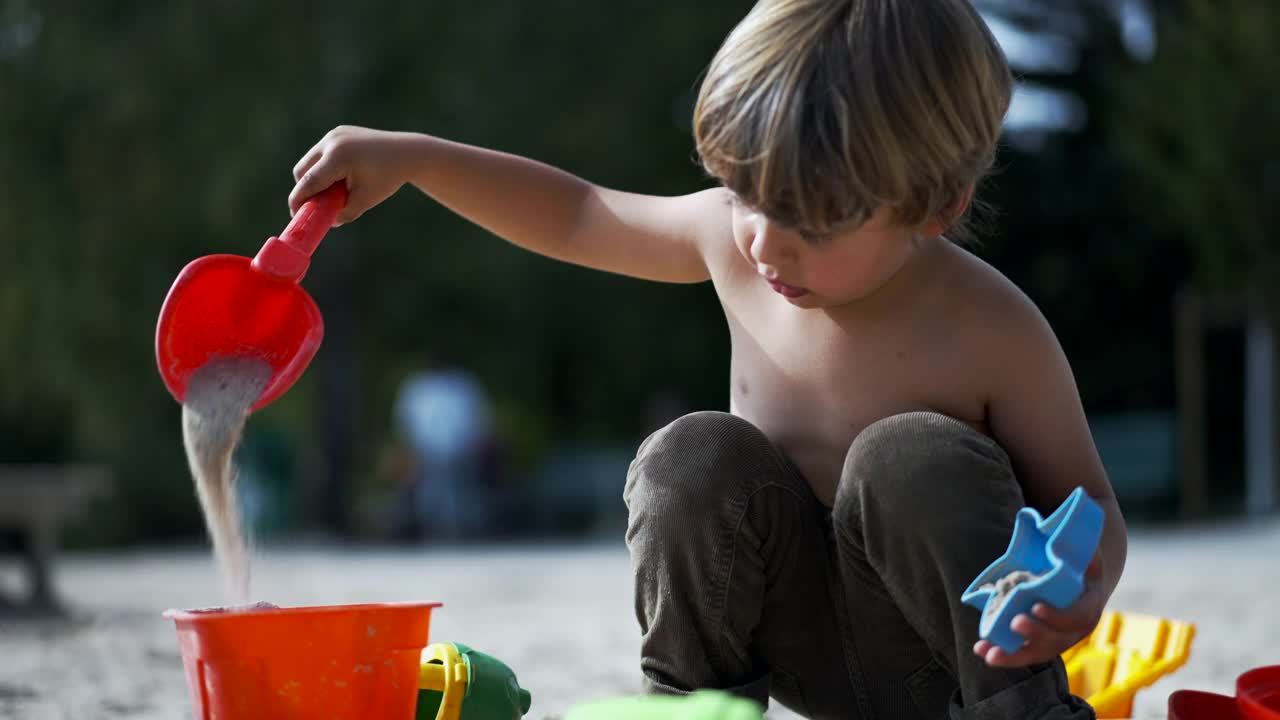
x=560, y=615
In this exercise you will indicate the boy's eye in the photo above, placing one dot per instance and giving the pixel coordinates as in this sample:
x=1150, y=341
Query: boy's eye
x=815, y=238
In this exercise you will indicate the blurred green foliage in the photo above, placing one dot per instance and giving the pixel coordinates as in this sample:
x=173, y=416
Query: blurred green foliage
x=1201, y=128
x=140, y=135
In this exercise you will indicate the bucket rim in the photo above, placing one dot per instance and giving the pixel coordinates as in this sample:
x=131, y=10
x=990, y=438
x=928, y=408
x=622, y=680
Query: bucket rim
x=224, y=614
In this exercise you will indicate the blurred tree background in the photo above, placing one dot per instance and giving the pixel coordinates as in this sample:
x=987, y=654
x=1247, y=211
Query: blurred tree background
x=1200, y=131
x=141, y=135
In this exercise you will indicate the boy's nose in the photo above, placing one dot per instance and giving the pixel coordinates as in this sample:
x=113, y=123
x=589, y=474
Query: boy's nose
x=771, y=246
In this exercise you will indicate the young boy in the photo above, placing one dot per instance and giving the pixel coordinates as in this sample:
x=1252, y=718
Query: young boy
x=893, y=399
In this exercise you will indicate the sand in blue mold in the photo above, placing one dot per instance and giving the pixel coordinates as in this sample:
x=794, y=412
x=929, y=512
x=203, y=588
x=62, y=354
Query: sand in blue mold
x=1003, y=588
x=1046, y=558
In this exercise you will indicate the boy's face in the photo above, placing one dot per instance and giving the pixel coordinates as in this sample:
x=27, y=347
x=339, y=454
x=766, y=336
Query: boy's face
x=822, y=272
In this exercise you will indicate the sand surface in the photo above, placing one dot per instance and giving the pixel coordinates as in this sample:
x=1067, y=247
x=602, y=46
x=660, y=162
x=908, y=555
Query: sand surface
x=560, y=615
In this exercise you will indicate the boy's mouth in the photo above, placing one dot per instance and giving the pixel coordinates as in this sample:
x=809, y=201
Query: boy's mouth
x=788, y=291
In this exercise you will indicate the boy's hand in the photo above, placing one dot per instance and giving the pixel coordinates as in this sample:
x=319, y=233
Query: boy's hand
x=372, y=163
x=1052, y=632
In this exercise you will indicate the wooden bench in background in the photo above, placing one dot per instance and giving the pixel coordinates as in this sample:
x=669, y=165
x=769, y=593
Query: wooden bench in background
x=37, y=501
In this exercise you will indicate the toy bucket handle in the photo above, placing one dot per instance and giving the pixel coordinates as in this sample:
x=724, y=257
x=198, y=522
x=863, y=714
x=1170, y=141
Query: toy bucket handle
x=444, y=671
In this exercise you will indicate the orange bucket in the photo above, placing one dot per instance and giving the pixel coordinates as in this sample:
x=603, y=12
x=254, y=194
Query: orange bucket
x=340, y=662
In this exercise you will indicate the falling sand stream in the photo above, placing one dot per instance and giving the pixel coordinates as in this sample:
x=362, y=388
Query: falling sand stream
x=217, y=404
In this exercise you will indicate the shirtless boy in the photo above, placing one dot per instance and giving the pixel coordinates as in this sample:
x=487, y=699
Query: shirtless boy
x=894, y=400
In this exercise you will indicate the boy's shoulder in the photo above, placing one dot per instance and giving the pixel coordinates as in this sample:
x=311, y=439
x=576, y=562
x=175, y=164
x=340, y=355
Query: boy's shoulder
x=713, y=209
x=983, y=298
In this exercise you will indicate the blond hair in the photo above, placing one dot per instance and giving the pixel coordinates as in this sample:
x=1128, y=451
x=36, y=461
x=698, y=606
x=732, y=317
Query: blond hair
x=818, y=112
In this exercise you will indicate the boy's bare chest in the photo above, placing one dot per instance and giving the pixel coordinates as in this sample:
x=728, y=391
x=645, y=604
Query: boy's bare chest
x=813, y=386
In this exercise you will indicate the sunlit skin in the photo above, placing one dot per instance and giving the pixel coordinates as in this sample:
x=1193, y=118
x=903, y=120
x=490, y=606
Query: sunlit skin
x=841, y=273
x=828, y=334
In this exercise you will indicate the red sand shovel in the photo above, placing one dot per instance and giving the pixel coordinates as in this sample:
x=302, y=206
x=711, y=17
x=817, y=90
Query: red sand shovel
x=232, y=306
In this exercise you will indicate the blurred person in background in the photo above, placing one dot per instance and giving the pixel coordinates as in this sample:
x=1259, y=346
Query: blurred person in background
x=442, y=414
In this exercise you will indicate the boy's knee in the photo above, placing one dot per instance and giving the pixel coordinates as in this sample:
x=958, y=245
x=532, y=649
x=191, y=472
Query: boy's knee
x=691, y=465
x=919, y=467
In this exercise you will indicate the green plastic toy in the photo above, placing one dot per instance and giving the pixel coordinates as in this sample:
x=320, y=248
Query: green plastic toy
x=701, y=705
x=458, y=683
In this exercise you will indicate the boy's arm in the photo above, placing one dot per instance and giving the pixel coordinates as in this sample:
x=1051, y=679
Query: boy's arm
x=1035, y=413
x=530, y=204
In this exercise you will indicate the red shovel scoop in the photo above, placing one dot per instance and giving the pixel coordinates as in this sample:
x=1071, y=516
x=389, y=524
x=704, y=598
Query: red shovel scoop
x=231, y=306
x=1257, y=698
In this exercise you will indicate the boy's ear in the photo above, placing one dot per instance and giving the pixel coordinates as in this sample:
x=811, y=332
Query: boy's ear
x=942, y=222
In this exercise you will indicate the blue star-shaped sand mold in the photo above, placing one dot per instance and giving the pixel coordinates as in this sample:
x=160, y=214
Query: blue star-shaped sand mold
x=1045, y=563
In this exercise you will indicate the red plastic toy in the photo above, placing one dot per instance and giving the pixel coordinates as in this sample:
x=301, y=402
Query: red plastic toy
x=1257, y=698
x=232, y=306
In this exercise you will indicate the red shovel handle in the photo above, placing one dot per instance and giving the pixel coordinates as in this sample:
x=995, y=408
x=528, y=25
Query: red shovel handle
x=288, y=256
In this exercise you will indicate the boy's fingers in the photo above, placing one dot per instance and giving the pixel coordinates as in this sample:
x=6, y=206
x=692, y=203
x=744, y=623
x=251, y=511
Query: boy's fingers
x=1041, y=645
x=1028, y=654
x=996, y=657
x=306, y=162
x=320, y=176
x=1036, y=634
x=1080, y=618
x=1060, y=620
x=1048, y=632
x=356, y=202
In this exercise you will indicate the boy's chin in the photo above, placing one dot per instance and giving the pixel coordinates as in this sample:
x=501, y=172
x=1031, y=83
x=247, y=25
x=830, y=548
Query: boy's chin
x=809, y=301
x=815, y=301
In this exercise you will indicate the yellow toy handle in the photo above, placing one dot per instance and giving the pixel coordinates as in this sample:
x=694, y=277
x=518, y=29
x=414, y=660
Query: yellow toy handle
x=444, y=671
